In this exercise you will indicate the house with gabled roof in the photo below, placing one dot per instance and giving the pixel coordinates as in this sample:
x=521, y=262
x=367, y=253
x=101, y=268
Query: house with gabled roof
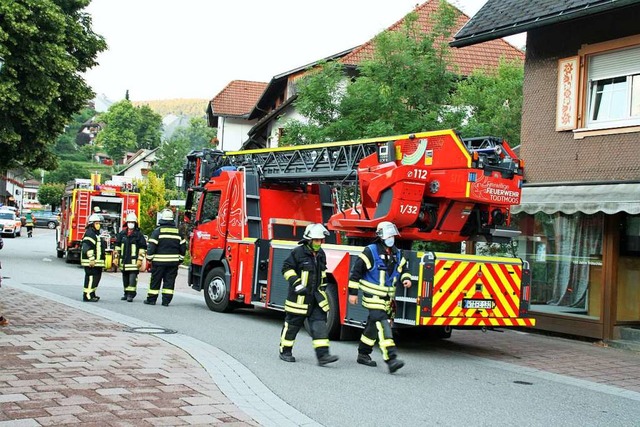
x=580, y=138
x=275, y=107
x=229, y=111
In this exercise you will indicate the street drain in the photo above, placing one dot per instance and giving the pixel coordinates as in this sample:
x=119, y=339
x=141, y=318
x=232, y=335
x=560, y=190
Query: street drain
x=523, y=382
x=146, y=330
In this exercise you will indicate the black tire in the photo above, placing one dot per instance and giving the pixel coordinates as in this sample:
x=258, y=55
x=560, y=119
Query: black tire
x=333, y=316
x=67, y=257
x=216, y=291
x=442, y=332
x=51, y=225
x=59, y=253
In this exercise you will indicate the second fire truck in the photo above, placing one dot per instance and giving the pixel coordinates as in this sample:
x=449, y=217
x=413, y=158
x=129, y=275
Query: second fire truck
x=248, y=209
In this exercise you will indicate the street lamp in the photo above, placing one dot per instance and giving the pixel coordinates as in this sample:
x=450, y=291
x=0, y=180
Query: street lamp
x=179, y=177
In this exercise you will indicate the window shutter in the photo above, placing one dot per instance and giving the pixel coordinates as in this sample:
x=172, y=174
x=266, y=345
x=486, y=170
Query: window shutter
x=623, y=62
x=567, y=100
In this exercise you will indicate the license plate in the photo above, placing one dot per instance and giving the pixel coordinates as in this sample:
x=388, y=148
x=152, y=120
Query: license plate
x=478, y=303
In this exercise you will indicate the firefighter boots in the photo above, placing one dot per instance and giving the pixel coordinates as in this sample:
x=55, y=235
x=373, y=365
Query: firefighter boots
x=124, y=298
x=149, y=302
x=129, y=298
x=287, y=357
x=326, y=359
x=394, y=365
x=365, y=359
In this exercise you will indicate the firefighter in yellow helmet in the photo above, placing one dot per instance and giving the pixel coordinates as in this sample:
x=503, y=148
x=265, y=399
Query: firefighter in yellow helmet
x=92, y=258
x=166, y=252
x=305, y=270
x=130, y=250
x=376, y=272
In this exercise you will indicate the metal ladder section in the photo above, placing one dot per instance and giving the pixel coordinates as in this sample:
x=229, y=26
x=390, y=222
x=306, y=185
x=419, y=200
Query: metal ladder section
x=324, y=163
x=83, y=210
x=254, y=221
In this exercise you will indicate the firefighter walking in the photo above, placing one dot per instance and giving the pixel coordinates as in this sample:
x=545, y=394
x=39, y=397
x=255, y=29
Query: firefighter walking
x=92, y=258
x=166, y=252
x=375, y=272
x=305, y=270
x=29, y=222
x=130, y=250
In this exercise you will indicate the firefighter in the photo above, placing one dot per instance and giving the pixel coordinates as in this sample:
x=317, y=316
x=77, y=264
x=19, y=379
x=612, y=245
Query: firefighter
x=166, y=252
x=375, y=272
x=130, y=250
x=305, y=270
x=29, y=222
x=92, y=258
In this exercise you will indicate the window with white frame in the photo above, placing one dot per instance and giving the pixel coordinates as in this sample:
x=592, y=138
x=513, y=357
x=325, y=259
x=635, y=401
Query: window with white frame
x=613, y=89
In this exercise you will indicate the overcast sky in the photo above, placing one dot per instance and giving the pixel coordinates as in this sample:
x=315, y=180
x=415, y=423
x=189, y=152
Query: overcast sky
x=163, y=49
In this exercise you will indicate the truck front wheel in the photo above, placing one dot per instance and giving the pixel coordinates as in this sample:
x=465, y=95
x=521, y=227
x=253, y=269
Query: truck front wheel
x=333, y=316
x=216, y=291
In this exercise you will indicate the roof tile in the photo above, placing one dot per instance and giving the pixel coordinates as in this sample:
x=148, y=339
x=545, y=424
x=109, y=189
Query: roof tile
x=464, y=60
x=238, y=98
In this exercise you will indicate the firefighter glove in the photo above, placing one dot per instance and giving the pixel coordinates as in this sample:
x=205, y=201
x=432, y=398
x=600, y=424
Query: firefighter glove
x=300, y=289
x=92, y=263
x=139, y=264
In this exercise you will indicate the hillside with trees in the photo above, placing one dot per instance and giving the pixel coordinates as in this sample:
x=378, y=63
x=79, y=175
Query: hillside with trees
x=187, y=107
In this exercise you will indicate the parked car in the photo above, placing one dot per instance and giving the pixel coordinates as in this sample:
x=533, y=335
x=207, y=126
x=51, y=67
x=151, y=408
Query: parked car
x=46, y=219
x=10, y=223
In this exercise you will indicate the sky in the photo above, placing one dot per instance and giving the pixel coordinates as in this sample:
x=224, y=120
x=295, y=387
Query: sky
x=165, y=49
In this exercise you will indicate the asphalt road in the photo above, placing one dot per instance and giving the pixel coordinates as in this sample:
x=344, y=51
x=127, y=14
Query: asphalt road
x=437, y=387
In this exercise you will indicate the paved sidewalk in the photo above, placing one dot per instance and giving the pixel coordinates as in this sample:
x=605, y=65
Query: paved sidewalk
x=61, y=366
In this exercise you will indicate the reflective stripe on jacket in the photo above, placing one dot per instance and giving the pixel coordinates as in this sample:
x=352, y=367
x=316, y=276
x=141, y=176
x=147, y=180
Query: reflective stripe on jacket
x=130, y=248
x=166, y=245
x=93, y=248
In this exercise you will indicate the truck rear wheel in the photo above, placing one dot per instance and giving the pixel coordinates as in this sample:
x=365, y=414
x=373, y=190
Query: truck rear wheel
x=333, y=315
x=216, y=291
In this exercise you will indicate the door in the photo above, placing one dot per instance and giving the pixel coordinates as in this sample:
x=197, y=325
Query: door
x=210, y=227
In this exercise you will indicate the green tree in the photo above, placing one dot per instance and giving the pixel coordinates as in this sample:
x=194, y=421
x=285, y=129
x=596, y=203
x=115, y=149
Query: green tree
x=489, y=102
x=120, y=132
x=129, y=128
x=149, y=128
x=152, y=200
x=67, y=171
x=46, y=45
x=402, y=89
x=172, y=153
x=51, y=194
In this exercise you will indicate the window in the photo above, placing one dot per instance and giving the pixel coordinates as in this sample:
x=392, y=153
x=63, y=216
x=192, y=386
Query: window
x=210, y=206
x=613, y=89
x=598, y=90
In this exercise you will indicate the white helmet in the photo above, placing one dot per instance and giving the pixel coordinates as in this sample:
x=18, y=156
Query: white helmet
x=315, y=231
x=94, y=218
x=131, y=217
x=167, y=215
x=386, y=229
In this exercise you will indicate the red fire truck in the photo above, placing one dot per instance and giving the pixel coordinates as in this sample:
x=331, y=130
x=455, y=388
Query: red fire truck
x=81, y=198
x=248, y=209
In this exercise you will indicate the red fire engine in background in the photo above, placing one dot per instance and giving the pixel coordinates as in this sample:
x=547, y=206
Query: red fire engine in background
x=82, y=197
x=248, y=209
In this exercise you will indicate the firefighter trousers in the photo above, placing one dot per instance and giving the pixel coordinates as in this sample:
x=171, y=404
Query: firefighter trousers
x=378, y=330
x=318, y=328
x=92, y=277
x=130, y=283
x=162, y=276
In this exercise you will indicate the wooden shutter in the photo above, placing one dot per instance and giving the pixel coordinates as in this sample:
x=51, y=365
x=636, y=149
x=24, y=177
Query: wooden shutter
x=567, y=100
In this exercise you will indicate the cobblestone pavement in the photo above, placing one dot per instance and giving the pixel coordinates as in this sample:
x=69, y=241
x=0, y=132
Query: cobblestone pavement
x=60, y=366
